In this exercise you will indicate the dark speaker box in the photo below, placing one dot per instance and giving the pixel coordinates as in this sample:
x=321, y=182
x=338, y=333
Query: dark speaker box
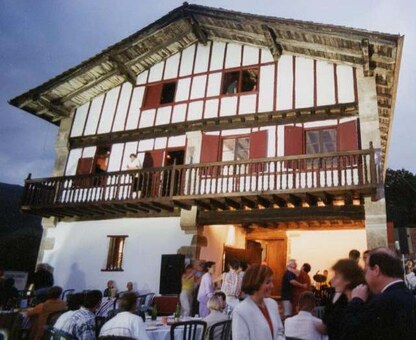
x=171, y=271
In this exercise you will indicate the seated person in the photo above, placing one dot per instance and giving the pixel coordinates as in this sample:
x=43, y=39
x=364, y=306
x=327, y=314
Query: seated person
x=126, y=323
x=73, y=304
x=111, y=290
x=130, y=288
x=8, y=294
x=215, y=312
x=52, y=304
x=305, y=325
x=81, y=324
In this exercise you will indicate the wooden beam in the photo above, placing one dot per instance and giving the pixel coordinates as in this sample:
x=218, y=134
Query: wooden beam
x=163, y=206
x=125, y=70
x=218, y=204
x=182, y=204
x=262, y=200
x=202, y=204
x=271, y=215
x=260, y=119
x=275, y=48
x=279, y=201
x=365, y=52
x=233, y=202
x=197, y=30
x=136, y=207
x=55, y=109
x=248, y=202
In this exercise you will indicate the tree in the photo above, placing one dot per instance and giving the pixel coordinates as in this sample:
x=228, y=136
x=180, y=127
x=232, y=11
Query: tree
x=400, y=190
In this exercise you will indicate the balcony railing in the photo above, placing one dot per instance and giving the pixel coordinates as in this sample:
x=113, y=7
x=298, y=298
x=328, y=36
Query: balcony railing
x=355, y=172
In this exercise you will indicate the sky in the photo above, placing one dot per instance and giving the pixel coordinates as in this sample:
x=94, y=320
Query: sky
x=41, y=39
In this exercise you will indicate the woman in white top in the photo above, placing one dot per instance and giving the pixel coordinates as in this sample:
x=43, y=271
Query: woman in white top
x=206, y=289
x=231, y=284
x=257, y=317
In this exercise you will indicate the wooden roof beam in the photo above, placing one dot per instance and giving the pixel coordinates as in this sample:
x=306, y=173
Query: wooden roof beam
x=366, y=55
x=54, y=109
x=196, y=28
x=275, y=48
x=124, y=70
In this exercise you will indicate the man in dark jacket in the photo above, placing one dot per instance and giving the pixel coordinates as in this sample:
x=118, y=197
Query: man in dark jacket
x=391, y=312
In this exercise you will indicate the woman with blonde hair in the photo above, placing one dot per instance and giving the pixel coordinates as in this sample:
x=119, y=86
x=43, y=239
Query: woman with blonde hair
x=187, y=291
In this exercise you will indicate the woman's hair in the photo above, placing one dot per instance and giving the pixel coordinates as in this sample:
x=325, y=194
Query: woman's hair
x=350, y=271
x=189, y=266
x=208, y=265
x=254, y=277
x=234, y=264
x=214, y=303
x=221, y=295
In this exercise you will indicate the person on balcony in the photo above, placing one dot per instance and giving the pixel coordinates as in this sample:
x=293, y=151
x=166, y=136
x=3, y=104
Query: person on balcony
x=134, y=164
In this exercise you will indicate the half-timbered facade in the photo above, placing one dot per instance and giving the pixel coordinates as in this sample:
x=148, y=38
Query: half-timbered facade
x=259, y=137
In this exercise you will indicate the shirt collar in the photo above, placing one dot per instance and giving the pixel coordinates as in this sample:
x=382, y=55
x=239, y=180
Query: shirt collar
x=391, y=284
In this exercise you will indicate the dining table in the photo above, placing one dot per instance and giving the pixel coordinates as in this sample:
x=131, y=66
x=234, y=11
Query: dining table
x=159, y=329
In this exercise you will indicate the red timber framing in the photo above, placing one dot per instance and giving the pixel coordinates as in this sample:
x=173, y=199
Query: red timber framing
x=342, y=177
x=152, y=100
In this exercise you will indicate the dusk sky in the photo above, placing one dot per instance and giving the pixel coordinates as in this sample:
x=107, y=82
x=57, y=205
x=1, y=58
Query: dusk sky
x=41, y=39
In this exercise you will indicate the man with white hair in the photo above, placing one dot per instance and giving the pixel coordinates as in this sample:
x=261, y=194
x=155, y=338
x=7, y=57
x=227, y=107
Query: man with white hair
x=288, y=282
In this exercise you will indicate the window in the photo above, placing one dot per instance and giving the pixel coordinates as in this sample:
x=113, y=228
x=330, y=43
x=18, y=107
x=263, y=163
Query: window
x=115, y=253
x=240, y=81
x=321, y=141
x=158, y=94
x=235, y=149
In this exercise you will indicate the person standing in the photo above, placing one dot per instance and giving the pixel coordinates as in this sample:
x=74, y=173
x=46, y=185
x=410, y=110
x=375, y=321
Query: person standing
x=206, y=288
x=288, y=282
x=347, y=275
x=134, y=164
x=257, y=317
x=354, y=255
x=303, y=278
x=42, y=281
x=391, y=312
x=187, y=290
x=231, y=284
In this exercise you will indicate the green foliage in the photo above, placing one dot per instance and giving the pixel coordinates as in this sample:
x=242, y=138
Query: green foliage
x=400, y=190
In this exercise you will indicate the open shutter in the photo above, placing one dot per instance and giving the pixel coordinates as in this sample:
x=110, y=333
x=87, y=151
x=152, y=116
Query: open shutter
x=84, y=166
x=293, y=144
x=348, y=141
x=348, y=136
x=258, y=148
x=210, y=146
x=158, y=157
x=152, y=96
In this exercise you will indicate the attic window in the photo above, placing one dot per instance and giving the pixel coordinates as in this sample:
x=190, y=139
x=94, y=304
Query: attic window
x=240, y=81
x=159, y=94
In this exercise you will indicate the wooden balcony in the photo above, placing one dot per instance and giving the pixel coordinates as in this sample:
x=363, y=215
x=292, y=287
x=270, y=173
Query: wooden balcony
x=307, y=181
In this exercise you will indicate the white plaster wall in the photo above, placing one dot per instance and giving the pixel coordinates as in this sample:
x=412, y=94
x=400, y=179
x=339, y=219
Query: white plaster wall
x=81, y=248
x=321, y=249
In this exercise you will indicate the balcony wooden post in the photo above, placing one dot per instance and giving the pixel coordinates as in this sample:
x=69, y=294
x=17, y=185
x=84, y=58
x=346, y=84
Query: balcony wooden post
x=172, y=179
x=373, y=170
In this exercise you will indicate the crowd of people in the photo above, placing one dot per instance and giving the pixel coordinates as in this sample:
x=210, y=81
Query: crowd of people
x=370, y=302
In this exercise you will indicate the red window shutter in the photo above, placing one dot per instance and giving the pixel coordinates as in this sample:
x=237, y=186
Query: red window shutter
x=293, y=143
x=258, y=144
x=348, y=136
x=157, y=157
x=84, y=166
x=152, y=96
x=209, y=148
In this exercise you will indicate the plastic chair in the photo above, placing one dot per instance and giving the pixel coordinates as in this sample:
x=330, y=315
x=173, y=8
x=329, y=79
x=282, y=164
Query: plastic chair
x=67, y=292
x=220, y=331
x=148, y=301
x=192, y=330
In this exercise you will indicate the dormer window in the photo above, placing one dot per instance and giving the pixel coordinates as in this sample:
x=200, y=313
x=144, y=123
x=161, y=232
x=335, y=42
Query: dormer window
x=159, y=94
x=240, y=81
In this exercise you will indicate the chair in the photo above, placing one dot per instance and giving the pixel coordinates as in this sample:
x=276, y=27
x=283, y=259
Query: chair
x=148, y=301
x=114, y=337
x=50, y=321
x=4, y=334
x=220, y=331
x=56, y=334
x=67, y=292
x=192, y=330
x=99, y=322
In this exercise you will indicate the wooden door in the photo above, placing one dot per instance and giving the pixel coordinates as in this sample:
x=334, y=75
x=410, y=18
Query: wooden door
x=276, y=259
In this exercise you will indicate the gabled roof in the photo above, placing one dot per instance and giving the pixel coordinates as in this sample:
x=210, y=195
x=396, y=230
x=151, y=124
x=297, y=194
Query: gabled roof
x=378, y=53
